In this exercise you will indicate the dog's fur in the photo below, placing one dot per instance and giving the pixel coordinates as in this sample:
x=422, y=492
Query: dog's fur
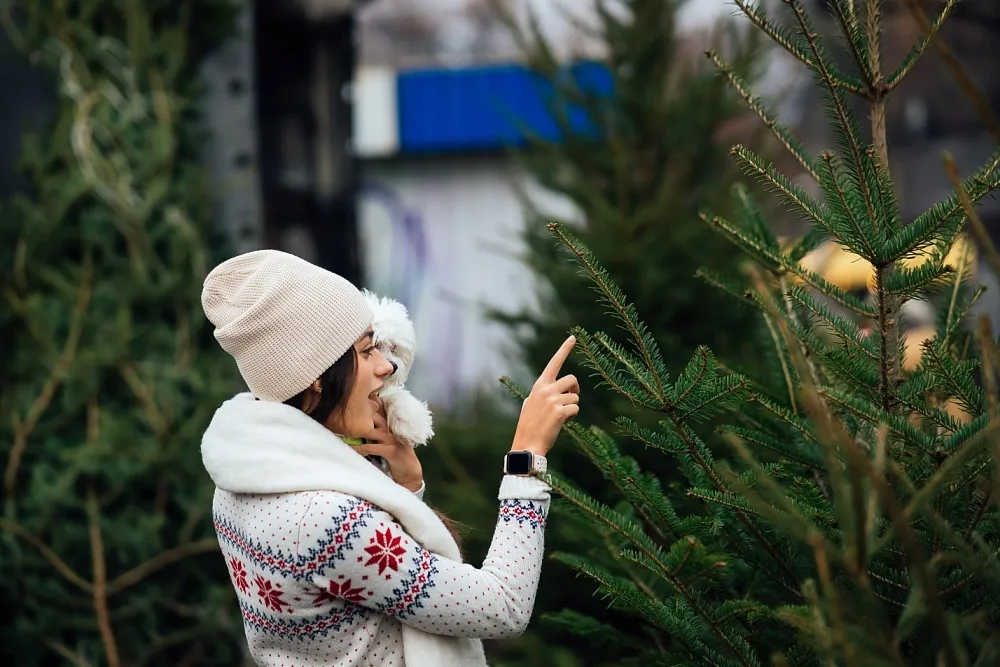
x=408, y=418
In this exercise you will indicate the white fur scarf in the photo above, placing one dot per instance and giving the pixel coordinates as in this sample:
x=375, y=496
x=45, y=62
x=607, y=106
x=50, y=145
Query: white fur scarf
x=262, y=447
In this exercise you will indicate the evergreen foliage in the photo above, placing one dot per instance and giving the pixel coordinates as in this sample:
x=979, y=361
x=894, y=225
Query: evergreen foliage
x=667, y=116
x=110, y=371
x=858, y=523
x=647, y=160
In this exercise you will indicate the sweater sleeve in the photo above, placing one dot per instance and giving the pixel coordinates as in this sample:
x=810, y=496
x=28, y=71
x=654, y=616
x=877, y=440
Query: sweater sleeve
x=377, y=565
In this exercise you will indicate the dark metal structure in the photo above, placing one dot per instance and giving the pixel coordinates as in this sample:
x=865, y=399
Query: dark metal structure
x=308, y=174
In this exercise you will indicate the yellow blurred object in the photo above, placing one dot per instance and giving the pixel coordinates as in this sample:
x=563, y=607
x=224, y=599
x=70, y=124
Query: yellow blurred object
x=850, y=272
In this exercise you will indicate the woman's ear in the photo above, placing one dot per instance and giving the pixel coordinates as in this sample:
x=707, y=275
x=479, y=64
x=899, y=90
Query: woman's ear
x=311, y=398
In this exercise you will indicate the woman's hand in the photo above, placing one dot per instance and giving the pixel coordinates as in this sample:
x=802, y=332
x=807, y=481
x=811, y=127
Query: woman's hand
x=551, y=403
x=404, y=466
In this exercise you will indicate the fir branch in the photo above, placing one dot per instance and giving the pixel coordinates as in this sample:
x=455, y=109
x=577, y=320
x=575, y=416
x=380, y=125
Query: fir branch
x=957, y=377
x=616, y=522
x=604, y=366
x=625, y=312
x=784, y=136
x=640, y=490
x=979, y=512
x=73, y=657
x=799, y=424
x=739, y=238
x=978, y=228
x=917, y=51
x=809, y=242
x=811, y=460
x=957, y=310
x=51, y=556
x=629, y=361
x=702, y=461
x=731, y=501
x=157, y=421
x=23, y=428
x=944, y=218
x=790, y=43
x=726, y=391
x=858, y=242
x=786, y=371
x=937, y=416
x=875, y=416
x=839, y=107
x=768, y=498
x=160, y=561
x=794, y=194
x=749, y=212
x=845, y=329
x=946, y=471
x=916, y=282
x=665, y=441
x=846, y=16
x=100, y=588
x=727, y=285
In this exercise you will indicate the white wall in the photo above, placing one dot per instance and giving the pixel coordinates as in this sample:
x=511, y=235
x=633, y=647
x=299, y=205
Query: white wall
x=442, y=236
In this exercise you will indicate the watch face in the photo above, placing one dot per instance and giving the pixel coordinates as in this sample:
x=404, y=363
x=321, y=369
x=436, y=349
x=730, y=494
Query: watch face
x=518, y=463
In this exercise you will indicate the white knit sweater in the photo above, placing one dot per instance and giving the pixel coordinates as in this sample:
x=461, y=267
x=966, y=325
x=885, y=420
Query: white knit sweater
x=328, y=578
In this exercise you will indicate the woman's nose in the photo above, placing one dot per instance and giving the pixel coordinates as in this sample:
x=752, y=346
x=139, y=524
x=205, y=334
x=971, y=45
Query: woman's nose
x=385, y=367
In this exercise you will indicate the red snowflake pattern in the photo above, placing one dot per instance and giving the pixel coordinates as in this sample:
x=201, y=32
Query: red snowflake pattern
x=270, y=594
x=342, y=591
x=385, y=551
x=239, y=574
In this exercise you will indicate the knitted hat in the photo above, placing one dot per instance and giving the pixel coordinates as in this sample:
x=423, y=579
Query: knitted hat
x=282, y=319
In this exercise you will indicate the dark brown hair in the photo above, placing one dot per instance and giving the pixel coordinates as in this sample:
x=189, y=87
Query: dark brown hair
x=335, y=386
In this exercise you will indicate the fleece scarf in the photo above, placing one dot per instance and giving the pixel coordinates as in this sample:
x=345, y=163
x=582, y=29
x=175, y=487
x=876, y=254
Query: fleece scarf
x=262, y=447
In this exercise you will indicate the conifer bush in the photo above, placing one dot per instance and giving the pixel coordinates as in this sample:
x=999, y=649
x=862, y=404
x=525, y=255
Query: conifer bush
x=853, y=520
x=110, y=374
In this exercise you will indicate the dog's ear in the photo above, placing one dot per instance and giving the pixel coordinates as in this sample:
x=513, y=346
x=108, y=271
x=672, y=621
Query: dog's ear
x=392, y=326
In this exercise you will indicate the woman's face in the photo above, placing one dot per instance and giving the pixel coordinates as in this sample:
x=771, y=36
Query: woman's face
x=357, y=419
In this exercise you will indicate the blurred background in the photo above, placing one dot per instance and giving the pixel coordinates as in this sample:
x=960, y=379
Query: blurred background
x=416, y=147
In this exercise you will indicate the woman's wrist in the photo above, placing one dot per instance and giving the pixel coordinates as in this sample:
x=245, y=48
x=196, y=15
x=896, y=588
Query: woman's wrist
x=523, y=446
x=412, y=485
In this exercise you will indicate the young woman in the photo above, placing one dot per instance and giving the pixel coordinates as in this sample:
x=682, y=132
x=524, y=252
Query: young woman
x=335, y=562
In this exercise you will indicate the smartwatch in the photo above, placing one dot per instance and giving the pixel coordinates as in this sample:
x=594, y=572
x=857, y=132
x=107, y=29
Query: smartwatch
x=522, y=463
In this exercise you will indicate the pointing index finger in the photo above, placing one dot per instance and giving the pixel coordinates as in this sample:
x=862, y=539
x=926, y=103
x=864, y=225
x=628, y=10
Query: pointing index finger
x=555, y=364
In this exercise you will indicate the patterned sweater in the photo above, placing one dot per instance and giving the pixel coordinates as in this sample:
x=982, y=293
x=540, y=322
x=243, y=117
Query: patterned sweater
x=327, y=579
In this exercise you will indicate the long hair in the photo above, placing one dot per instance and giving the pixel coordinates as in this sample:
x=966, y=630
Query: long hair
x=335, y=386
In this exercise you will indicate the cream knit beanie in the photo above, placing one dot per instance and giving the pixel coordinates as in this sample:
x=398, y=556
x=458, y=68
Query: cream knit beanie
x=282, y=319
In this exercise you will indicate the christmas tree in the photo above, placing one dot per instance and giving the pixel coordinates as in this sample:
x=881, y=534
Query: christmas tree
x=857, y=523
x=110, y=371
x=647, y=158
x=667, y=114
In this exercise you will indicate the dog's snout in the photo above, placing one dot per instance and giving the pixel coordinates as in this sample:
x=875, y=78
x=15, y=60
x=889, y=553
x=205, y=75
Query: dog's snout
x=395, y=367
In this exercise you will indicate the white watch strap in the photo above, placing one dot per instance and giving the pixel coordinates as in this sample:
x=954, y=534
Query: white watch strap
x=539, y=464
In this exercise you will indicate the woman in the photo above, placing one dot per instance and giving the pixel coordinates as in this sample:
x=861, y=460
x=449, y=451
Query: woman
x=335, y=562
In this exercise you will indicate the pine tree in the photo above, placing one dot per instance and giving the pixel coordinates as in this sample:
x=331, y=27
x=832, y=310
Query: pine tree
x=667, y=115
x=110, y=371
x=857, y=524
x=638, y=164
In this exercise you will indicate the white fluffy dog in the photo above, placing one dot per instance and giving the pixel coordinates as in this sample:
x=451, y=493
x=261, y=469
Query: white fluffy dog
x=408, y=419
